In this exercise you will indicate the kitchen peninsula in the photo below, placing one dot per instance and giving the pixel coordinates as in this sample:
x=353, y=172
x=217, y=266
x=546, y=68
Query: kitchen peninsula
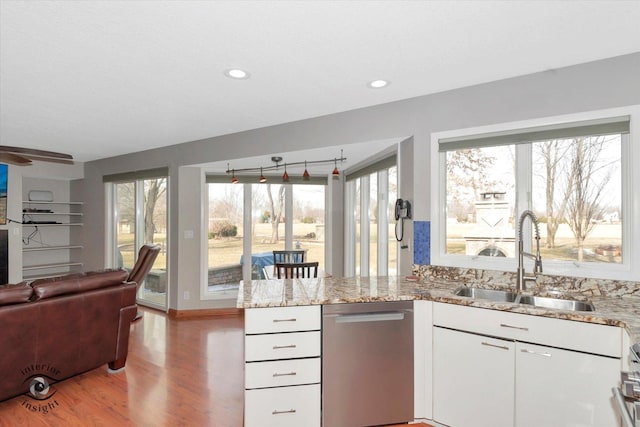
x=442, y=316
x=610, y=310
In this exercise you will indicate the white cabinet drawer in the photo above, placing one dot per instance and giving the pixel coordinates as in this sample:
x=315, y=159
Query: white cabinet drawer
x=283, y=407
x=282, y=319
x=281, y=346
x=282, y=373
x=580, y=336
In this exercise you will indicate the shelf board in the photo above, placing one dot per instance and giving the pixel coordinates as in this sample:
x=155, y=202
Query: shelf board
x=51, y=248
x=51, y=225
x=56, y=265
x=53, y=213
x=51, y=203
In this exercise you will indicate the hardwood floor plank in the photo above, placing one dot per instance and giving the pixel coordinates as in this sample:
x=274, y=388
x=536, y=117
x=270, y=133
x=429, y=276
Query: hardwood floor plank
x=179, y=372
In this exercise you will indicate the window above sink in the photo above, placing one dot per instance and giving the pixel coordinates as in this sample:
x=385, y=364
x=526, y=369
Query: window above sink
x=575, y=172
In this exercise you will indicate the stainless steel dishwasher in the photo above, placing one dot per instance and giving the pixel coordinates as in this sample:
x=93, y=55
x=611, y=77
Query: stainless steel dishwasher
x=367, y=364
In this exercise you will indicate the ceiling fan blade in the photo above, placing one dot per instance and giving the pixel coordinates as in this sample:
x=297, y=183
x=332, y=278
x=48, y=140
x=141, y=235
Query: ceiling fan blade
x=48, y=159
x=14, y=159
x=30, y=151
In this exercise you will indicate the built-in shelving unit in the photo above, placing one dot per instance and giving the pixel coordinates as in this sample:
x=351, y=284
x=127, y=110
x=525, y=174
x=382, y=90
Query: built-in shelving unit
x=49, y=245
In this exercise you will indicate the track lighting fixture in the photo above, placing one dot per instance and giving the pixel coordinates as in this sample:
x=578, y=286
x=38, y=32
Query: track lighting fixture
x=306, y=176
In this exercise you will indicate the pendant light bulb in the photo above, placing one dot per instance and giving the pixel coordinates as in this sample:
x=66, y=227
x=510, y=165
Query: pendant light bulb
x=305, y=175
x=336, y=172
x=262, y=177
x=234, y=180
x=285, y=175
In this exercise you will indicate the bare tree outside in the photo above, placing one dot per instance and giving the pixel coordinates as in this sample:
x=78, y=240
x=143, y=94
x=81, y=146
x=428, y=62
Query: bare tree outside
x=227, y=204
x=468, y=175
x=552, y=154
x=589, y=176
x=276, y=207
x=154, y=190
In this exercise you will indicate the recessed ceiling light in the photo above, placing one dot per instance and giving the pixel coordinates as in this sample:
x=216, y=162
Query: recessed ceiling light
x=236, y=73
x=378, y=84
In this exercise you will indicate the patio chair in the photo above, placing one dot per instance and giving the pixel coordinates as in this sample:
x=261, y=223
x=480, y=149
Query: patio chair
x=296, y=270
x=288, y=257
x=146, y=257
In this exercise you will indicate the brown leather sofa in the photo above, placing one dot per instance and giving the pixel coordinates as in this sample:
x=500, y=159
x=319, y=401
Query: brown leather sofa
x=59, y=327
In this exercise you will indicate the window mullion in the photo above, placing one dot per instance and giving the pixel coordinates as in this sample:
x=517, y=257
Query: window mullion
x=383, y=222
x=364, y=226
x=350, y=229
x=247, y=224
x=288, y=214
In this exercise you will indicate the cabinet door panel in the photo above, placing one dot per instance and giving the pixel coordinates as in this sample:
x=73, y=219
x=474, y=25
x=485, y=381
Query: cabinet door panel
x=473, y=379
x=564, y=388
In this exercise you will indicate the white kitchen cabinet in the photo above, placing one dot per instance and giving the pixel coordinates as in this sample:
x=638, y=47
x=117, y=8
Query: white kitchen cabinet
x=282, y=366
x=564, y=388
x=550, y=386
x=473, y=378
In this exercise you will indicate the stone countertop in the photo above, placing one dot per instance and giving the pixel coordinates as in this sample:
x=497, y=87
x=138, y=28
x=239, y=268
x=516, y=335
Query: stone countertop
x=614, y=311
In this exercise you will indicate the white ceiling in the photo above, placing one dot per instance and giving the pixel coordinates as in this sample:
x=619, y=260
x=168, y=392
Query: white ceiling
x=102, y=78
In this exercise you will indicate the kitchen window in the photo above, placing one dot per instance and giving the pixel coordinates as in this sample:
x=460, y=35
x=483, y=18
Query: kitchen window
x=573, y=172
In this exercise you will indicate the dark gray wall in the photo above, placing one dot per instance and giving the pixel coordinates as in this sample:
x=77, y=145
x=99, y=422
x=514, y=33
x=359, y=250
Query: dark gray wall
x=592, y=86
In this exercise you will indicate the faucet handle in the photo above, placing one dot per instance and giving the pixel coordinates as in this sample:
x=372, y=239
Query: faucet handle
x=538, y=265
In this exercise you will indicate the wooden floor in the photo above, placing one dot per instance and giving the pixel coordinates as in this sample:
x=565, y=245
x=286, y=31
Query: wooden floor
x=178, y=373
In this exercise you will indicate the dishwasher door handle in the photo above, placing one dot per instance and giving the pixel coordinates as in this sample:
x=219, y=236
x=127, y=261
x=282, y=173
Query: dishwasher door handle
x=622, y=407
x=369, y=317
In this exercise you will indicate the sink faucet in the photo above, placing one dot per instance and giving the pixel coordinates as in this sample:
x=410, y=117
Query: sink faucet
x=522, y=276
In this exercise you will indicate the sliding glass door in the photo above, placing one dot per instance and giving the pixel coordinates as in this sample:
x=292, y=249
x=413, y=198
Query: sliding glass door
x=140, y=217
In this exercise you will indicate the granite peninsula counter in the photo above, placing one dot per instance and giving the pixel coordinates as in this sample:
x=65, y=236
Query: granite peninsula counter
x=610, y=310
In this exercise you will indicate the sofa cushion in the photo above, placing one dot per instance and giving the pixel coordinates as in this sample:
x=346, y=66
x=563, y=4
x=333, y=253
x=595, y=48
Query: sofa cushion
x=75, y=283
x=15, y=294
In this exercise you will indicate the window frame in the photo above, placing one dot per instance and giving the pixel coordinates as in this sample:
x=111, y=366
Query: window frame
x=137, y=178
x=247, y=186
x=629, y=269
x=377, y=169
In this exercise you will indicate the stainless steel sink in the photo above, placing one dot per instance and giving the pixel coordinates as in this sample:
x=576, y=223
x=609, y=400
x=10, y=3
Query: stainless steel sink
x=488, y=294
x=559, y=304
x=508, y=296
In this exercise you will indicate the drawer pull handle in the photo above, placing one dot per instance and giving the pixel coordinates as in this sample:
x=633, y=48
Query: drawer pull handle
x=524, y=350
x=504, y=325
x=293, y=319
x=290, y=411
x=503, y=347
x=278, y=347
x=284, y=375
